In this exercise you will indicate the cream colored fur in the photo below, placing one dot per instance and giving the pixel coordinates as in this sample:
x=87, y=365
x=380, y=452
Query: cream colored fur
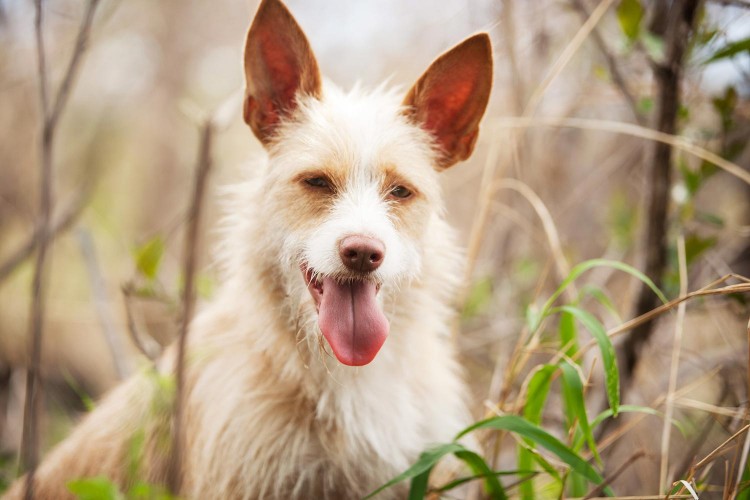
x=269, y=411
x=271, y=414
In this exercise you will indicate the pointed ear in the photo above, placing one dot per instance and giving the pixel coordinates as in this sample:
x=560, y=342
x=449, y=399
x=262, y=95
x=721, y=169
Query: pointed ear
x=279, y=65
x=450, y=97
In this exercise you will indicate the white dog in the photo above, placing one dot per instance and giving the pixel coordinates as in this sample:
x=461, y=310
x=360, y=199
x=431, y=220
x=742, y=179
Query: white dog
x=323, y=366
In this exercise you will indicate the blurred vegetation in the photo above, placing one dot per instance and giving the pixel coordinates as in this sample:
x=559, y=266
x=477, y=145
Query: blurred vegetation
x=535, y=330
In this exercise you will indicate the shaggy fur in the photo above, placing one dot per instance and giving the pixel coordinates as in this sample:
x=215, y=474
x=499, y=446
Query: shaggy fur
x=270, y=412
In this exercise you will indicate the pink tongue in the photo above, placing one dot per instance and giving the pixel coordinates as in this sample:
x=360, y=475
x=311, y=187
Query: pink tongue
x=352, y=321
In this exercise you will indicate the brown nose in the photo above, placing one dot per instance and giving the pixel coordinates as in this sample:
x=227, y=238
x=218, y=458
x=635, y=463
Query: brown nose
x=361, y=253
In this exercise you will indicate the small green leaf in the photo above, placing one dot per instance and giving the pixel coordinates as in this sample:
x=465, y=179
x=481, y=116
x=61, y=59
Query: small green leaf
x=645, y=105
x=601, y=297
x=536, y=396
x=148, y=257
x=581, y=268
x=695, y=246
x=730, y=50
x=524, y=428
x=94, y=488
x=574, y=401
x=609, y=358
x=636, y=409
x=654, y=46
x=568, y=334
x=630, y=14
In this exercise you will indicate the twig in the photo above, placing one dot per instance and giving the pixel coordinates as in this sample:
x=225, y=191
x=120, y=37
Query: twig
x=174, y=472
x=676, y=346
x=50, y=113
x=102, y=304
x=30, y=434
x=609, y=479
x=127, y=293
x=60, y=224
x=614, y=69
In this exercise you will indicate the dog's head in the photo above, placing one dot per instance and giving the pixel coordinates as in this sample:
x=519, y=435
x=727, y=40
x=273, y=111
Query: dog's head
x=352, y=182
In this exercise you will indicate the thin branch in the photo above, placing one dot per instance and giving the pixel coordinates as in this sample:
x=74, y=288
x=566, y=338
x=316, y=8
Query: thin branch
x=612, y=477
x=49, y=120
x=151, y=353
x=102, y=304
x=84, y=32
x=174, y=471
x=60, y=224
x=30, y=434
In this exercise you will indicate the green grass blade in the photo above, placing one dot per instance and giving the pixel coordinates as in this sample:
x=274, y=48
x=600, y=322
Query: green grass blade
x=477, y=464
x=419, y=485
x=609, y=358
x=601, y=297
x=568, y=334
x=426, y=461
x=574, y=400
x=524, y=428
x=581, y=268
x=637, y=409
x=536, y=397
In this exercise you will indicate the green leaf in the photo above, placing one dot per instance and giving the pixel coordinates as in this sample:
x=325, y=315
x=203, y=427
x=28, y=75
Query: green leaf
x=574, y=401
x=524, y=428
x=609, y=359
x=581, y=268
x=730, y=50
x=536, y=396
x=630, y=14
x=645, y=105
x=695, y=246
x=568, y=334
x=636, y=409
x=424, y=464
x=654, y=46
x=601, y=297
x=94, y=488
x=148, y=257
x=477, y=465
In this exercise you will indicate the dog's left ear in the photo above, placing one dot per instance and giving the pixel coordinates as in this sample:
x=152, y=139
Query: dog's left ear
x=449, y=99
x=279, y=66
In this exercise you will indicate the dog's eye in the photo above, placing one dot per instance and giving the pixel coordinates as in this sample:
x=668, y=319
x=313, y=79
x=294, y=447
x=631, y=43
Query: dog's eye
x=400, y=192
x=318, y=182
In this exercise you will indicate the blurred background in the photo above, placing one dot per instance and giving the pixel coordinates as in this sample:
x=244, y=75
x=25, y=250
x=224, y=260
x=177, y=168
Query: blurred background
x=126, y=149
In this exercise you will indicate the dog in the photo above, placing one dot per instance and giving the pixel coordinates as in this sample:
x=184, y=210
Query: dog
x=323, y=366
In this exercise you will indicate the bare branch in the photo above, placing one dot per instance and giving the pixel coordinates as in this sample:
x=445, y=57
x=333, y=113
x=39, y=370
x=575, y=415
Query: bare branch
x=174, y=472
x=102, y=303
x=49, y=119
x=59, y=225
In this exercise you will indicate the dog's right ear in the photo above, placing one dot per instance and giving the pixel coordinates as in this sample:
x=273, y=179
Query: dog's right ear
x=279, y=66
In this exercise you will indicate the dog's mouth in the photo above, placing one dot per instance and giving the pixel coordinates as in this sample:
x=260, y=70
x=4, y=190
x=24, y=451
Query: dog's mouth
x=349, y=316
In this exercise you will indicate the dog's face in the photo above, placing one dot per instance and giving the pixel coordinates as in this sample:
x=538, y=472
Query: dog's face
x=353, y=178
